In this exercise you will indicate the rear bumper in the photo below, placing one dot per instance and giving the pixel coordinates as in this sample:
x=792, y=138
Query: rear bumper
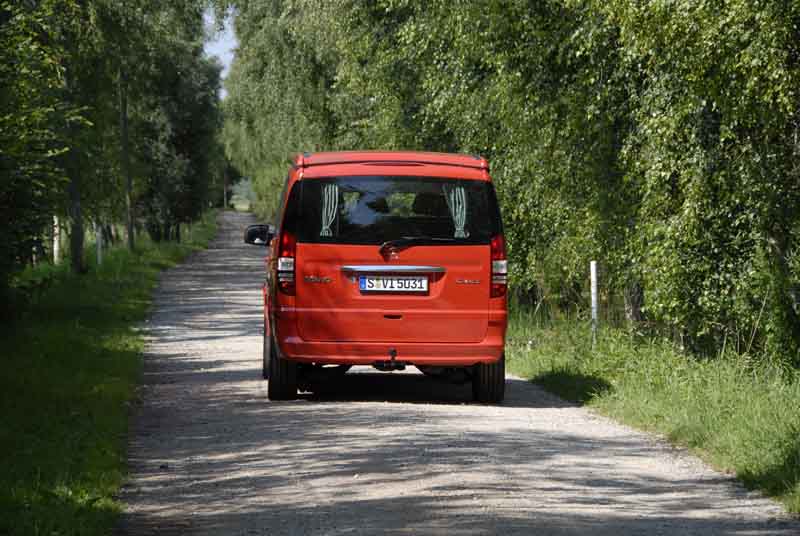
x=349, y=353
x=295, y=348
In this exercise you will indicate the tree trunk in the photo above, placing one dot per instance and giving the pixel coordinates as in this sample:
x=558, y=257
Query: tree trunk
x=178, y=232
x=76, y=214
x=125, y=157
x=786, y=310
x=98, y=241
x=634, y=297
x=155, y=231
x=225, y=189
x=56, y=240
x=39, y=252
x=108, y=236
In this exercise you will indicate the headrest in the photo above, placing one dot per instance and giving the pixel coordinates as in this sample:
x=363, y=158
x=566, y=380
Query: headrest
x=430, y=204
x=379, y=205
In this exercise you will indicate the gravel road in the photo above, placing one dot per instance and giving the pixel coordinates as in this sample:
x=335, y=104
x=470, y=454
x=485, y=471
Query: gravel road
x=383, y=453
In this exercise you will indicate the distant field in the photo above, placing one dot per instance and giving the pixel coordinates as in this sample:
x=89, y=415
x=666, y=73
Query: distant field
x=241, y=205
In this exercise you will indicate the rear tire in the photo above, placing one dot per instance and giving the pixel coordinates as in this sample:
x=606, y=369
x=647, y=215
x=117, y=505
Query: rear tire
x=282, y=384
x=489, y=381
x=265, y=353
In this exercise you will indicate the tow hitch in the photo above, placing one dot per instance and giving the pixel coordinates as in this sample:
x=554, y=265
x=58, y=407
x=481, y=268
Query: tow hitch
x=386, y=366
x=391, y=364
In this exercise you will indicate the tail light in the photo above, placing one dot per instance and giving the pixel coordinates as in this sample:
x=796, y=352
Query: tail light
x=499, y=267
x=286, y=253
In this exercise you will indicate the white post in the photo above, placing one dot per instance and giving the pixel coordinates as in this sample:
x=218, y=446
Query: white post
x=56, y=241
x=98, y=240
x=593, y=275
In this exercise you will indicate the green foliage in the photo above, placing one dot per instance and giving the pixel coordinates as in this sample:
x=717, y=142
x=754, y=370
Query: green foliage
x=740, y=415
x=31, y=115
x=243, y=195
x=661, y=139
x=176, y=128
x=715, y=157
x=65, y=68
x=276, y=102
x=71, y=364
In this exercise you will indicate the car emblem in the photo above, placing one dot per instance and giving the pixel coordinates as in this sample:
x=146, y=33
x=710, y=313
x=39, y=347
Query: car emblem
x=468, y=281
x=389, y=253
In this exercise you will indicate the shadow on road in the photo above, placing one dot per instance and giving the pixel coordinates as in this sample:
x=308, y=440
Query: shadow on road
x=405, y=388
x=380, y=453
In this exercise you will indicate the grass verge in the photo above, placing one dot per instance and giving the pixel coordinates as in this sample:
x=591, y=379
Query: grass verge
x=742, y=416
x=71, y=363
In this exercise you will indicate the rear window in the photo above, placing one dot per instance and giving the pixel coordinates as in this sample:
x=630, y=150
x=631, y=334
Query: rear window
x=373, y=210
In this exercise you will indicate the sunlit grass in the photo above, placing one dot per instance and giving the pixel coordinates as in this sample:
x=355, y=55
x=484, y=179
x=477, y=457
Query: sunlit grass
x=71, y=362
x=741, y=415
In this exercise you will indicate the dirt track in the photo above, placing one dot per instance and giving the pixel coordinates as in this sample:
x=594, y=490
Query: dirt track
x=384, y=453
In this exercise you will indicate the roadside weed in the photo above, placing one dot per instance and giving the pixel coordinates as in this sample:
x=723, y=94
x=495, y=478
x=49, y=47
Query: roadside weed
x=741, y=415
x=71, y=362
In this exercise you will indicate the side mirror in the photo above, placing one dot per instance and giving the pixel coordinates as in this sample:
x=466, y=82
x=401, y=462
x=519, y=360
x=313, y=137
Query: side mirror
x=259, y=235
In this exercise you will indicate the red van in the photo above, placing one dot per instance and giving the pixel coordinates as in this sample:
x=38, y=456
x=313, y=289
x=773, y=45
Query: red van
x=386, y=259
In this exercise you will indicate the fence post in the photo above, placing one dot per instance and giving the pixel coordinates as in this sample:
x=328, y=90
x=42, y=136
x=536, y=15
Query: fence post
x=593, y=275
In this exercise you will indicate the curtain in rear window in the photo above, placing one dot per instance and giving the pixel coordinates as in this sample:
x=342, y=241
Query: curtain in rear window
x=372, y=210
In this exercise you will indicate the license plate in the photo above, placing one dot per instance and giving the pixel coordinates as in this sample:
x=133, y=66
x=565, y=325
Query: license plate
x=391, y=283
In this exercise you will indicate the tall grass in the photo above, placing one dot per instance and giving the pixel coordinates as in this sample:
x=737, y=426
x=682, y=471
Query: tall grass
x=70, y=362
x=739, y=413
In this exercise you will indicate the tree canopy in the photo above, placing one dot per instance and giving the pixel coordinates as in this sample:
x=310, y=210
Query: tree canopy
x=108, y=110
x=660, y=138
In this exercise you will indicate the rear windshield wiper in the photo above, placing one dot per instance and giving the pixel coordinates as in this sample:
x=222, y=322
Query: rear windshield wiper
x=408, y=241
